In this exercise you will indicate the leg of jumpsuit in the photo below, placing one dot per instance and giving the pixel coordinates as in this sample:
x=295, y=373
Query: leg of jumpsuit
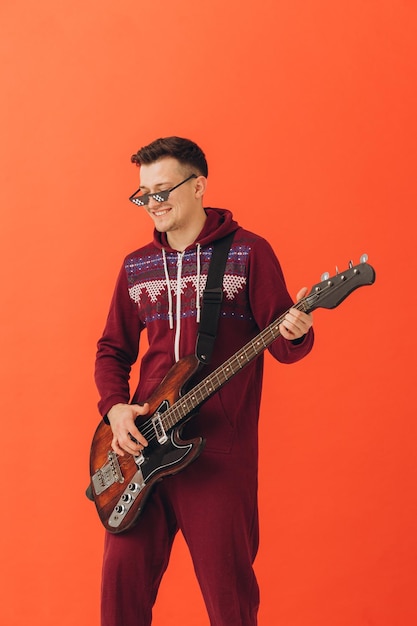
x=215, y=502
x=134, y=563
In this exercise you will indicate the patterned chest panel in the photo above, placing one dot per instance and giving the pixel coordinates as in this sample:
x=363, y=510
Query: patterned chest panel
x=149, y=290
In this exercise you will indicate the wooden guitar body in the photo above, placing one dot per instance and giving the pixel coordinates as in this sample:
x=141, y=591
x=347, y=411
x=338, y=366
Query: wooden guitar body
x=121, y=484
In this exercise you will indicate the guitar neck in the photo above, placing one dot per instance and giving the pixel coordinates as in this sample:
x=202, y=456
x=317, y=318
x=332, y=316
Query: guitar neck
x=212, y=383
x=327, y=294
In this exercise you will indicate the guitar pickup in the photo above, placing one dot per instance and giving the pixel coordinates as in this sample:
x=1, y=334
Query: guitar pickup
x=159, y=429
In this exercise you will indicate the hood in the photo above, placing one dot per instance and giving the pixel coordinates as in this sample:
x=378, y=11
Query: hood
x=218, y=224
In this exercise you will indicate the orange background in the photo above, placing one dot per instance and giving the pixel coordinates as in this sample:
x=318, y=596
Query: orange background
x=307, y=113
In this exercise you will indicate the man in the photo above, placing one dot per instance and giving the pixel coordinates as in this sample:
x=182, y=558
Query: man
x=213, y=501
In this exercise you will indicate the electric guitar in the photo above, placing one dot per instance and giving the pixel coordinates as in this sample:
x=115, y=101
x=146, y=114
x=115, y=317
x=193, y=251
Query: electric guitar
x=119, y=485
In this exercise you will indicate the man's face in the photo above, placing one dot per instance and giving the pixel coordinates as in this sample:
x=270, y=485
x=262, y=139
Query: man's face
x=184, y=204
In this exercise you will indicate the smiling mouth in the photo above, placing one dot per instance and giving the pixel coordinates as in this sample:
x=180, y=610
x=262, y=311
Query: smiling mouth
x=160, y=212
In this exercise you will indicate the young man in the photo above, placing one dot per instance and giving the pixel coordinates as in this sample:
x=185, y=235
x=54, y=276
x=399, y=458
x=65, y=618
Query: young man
x=213, y=501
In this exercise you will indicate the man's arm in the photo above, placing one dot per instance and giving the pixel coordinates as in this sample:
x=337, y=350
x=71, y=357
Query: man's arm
x=117, y=351
x=270, y=299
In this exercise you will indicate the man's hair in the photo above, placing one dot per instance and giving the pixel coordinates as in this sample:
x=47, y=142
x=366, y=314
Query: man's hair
x=185, y=151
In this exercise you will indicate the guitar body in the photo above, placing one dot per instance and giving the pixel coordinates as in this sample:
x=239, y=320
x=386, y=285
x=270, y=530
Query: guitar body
x=120, y=485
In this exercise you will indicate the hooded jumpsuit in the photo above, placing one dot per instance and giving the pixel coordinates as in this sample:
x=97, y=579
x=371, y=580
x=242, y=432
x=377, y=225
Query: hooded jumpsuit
x=213, y=501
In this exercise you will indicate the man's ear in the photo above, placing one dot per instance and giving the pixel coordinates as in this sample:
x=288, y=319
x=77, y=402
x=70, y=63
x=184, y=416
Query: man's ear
x=200, y=186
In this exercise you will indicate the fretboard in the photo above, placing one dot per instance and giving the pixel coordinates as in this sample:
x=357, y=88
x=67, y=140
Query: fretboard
x=208, y=386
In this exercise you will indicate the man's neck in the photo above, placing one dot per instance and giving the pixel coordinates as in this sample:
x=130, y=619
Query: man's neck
x=180, y=240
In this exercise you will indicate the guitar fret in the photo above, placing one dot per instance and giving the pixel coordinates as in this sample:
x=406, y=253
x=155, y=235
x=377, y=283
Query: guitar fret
x=217, y=377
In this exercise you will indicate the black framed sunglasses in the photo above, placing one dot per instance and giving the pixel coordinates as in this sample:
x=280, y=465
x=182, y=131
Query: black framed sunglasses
x=160, y=196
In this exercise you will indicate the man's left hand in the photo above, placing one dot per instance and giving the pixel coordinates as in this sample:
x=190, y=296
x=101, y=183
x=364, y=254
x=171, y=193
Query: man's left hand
x=296, y=323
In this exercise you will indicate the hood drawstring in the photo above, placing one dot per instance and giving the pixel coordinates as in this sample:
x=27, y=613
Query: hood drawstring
x=178, y=311
x=197, y=288
x=180, y=256
x=170, y=314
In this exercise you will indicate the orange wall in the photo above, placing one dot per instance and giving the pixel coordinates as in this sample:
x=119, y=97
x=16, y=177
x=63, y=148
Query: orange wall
x=307, y=113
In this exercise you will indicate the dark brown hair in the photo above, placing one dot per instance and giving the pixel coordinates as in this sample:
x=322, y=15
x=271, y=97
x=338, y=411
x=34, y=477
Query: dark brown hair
x=185, y=151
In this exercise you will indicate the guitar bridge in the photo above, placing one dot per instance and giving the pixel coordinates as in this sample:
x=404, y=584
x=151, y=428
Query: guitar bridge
x=107, y=475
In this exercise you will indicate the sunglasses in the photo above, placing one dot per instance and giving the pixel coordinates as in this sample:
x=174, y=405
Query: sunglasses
x=160, y=196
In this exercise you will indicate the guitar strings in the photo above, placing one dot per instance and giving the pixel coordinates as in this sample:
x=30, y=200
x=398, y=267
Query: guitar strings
x=148, y=430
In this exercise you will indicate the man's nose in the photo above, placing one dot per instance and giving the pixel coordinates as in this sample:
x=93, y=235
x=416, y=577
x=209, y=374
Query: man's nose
x=152, y=203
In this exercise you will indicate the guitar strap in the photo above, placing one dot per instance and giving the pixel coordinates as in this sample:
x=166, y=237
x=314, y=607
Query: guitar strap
x=212, y=300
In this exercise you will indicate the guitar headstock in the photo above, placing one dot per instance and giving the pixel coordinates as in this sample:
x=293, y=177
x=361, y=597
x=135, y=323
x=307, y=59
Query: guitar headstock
x=331, y=291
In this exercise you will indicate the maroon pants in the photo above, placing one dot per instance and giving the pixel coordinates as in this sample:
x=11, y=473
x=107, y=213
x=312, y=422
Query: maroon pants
x=214, y=503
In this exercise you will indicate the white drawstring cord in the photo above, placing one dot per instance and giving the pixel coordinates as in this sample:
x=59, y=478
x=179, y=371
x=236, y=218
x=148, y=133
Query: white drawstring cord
x=198, y=263
x=170, y=315
x=178, y=307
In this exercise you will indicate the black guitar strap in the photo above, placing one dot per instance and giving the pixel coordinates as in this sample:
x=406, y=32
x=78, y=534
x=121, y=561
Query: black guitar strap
x=212, y=300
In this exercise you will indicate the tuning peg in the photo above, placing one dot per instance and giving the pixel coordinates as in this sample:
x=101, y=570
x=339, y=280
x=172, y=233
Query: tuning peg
x=350, y=264
x=337, y=270
x=325, y=276
x=364, y=258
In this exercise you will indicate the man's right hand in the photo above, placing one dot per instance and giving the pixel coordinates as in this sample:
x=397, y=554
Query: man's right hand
x=126, y=436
